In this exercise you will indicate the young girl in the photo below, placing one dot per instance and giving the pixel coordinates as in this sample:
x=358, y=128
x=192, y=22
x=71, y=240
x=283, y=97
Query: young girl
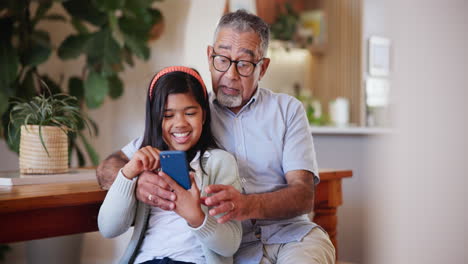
x=177, y=118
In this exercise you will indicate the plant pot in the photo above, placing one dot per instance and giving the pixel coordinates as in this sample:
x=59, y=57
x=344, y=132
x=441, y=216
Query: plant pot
x=156, y=30
x=33, y=158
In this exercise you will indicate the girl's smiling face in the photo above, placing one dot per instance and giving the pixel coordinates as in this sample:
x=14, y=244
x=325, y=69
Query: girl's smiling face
x=182, y=122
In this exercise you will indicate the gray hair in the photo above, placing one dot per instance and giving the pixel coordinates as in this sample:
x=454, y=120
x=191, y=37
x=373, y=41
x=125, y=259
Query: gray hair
x=243, y=21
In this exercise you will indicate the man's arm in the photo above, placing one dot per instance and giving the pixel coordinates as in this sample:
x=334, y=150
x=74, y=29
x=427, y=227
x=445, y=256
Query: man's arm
x=108, y=169
x=294, y=200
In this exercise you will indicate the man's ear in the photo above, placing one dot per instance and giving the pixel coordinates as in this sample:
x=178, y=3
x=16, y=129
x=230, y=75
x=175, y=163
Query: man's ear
x=209, y=51
x=265, y=64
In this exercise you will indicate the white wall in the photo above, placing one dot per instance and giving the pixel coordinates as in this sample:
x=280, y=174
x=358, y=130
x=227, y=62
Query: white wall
x=417, y=204
x=374, y=23
x=288, y=68
x=349, y=152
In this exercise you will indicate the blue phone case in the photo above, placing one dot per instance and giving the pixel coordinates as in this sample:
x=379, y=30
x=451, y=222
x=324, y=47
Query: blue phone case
x=174, y=164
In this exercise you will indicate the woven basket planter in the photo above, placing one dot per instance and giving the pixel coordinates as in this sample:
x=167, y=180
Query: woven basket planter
x=33, y=158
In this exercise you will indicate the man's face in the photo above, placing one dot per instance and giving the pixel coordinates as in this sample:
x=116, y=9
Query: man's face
x=232, y=89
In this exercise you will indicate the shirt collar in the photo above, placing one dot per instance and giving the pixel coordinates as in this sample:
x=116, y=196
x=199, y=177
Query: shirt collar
x=197, y=157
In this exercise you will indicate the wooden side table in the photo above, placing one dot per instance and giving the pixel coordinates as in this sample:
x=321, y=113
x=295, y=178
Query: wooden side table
x=327, y=199
x=37, y=211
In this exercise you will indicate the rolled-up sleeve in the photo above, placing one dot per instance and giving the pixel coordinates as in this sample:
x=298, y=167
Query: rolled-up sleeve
x=298, y=150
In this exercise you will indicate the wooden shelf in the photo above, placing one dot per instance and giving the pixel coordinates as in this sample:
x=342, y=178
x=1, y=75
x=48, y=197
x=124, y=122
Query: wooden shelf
x=317, y=49
x=350, y=130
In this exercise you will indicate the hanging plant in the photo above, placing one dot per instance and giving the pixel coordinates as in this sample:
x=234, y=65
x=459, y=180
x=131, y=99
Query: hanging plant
x=108, y=33
x=285, y=26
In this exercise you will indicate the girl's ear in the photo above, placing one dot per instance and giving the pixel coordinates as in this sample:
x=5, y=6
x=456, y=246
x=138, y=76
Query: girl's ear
x=204, y=117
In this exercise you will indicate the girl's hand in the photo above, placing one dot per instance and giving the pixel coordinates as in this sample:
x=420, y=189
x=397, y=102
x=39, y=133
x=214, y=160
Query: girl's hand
x=145, y=159
x=187, y=201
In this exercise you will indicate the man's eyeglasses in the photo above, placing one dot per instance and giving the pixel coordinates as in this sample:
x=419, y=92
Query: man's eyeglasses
x=244, y=68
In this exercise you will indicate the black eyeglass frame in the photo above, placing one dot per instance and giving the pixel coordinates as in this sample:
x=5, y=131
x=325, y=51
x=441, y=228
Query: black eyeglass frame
x=235, y=62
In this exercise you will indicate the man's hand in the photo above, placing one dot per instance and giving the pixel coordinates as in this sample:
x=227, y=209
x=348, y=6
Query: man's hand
x=155, y=191
x=295, y=199
x=226, y=199
x=108, y=169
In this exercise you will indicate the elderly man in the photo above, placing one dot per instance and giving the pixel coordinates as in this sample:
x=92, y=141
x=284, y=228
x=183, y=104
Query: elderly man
x=268, y=134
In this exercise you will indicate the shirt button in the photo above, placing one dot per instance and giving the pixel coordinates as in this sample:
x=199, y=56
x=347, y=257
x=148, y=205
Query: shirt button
x=258, y=233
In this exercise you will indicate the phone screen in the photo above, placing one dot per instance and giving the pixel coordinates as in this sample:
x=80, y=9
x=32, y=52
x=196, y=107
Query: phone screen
x=174, y=164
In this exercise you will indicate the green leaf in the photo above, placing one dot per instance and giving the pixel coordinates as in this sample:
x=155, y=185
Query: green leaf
x=116, y=33
x=52, y=86
x=109, y=5
x=41, y=37
x=94, y=126
x=96, y=88
x=93, y=155
x=3, y=103
x=27, y=89
x=13, y=139
x=85, y=9
x=103, y=51
x=138, y=9
x=39, y=50
x=73, y=46
x=115, y=87
x=135, y=27
x=36, y=55
x=9, y=61
x=136, y=35
x=138, y=47
x=79, y=154
x=127, y=55
x=75, y=87
x=12, y=135
x=71, y=145
x=8, y=66
x=42, y=141
x=43, y=7
x=79, y=27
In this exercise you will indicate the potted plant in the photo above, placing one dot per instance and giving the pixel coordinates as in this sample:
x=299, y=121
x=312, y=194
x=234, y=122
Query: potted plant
x=45, y=122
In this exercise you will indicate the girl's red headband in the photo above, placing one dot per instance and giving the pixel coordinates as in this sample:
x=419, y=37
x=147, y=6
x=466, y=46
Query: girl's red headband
x=177, y=69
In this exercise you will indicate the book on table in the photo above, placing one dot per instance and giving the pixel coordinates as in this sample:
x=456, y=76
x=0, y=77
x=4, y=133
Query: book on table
x=10, y=178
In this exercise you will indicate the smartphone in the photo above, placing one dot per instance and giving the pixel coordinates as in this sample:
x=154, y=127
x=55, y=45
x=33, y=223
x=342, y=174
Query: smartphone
x=174, y=164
